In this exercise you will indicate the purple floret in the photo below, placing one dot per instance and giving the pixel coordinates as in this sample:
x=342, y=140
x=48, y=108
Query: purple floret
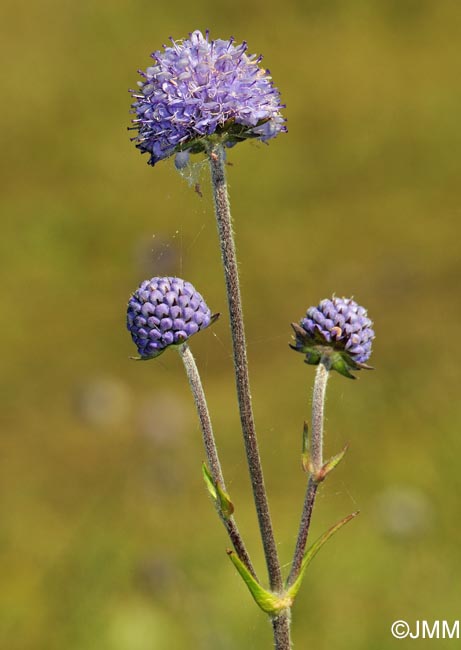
x=343, y=324
x=163, y=312
x=198, y=87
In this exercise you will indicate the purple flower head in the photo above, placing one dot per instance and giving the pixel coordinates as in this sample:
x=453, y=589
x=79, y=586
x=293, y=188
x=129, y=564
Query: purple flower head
x=338, y=328
x=198, y=88
x=164, y=312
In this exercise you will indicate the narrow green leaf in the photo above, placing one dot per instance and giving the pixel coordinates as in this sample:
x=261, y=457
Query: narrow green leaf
x=332, y=463
x=266, y=600
x=226, y=505
x=219, y=496
x=209, y=482
x=312, y=552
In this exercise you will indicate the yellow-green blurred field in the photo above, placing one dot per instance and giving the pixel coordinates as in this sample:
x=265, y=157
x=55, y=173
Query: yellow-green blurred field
x=107, y=538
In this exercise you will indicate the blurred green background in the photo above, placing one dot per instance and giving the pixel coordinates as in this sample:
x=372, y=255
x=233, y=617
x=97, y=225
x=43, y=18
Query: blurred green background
x=107, y=538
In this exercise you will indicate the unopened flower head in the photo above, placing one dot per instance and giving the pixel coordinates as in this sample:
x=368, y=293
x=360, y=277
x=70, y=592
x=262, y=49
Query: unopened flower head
x=163, y=312
x=198, y=89
x=338, y=329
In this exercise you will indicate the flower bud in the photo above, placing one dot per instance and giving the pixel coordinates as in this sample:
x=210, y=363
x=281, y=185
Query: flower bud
x=163, y=312
x=338, y=329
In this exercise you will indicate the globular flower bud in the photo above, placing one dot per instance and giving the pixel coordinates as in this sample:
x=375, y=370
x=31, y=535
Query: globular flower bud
x=164, y=312
x=198, y=89
x=338, y=329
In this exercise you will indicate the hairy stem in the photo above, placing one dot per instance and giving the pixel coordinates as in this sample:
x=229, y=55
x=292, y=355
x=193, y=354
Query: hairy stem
x=224, y=221
x=316, y=462
x=318, y=409
x=211, y=450
x=304, y=526
x=281, y=628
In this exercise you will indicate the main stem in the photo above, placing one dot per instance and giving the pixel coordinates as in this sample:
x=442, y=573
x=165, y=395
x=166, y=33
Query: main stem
x=224, y=221
x=281, y=629
x=211, y=450
x=316, y=462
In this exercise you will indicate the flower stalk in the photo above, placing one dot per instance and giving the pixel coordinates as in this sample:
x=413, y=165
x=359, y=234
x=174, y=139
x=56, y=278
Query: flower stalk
x=229, y=258
x=212, y=452
x=318, y=414
x=315, y=462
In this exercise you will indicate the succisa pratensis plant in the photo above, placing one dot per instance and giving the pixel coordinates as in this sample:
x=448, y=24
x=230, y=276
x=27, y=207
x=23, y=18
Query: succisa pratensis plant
x=202, y=96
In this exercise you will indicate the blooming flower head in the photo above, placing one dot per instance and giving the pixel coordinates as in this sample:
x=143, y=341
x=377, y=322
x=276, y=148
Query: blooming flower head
x=199, y=88
x=163, y=312
x=338, y=329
